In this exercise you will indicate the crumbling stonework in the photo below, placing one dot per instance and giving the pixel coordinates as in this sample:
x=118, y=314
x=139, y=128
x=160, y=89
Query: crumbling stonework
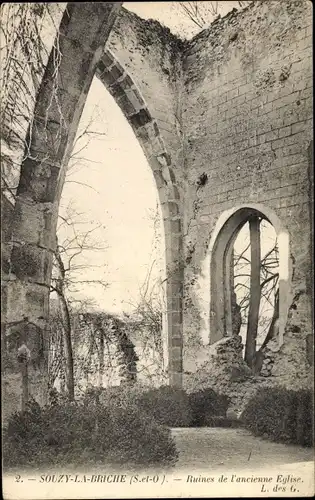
x=41, y=181
x=225, y=121
x=227, y=373
x=290, y=363
x=247, y=122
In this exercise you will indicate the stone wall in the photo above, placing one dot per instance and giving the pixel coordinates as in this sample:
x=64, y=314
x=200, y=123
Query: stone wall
x=142, y=77
x=225, y=120
x=247, y=117
x=140, y=68
x=26, y=266
x=151, y=55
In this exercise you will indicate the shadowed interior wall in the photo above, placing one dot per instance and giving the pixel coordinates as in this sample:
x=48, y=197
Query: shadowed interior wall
x=247, y=117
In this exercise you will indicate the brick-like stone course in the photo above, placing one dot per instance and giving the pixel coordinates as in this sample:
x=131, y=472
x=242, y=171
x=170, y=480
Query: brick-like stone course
x=232, y=106
x=247, y=122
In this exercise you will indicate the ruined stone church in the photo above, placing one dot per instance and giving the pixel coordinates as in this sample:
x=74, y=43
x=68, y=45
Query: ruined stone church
x=225, y=122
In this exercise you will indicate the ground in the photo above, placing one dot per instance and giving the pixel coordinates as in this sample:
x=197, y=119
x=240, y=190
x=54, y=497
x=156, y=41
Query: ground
x=218, y=449
x=203, y=453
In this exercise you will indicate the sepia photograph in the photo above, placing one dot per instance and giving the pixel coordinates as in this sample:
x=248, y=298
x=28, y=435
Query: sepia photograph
x=157, y=205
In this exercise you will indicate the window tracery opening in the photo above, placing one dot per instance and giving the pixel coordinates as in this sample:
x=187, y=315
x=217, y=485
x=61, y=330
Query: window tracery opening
x=250, y=280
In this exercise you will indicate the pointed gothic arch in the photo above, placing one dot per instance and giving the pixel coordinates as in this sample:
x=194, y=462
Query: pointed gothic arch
x=221, y=246
x=83, y=32
x=127, y=95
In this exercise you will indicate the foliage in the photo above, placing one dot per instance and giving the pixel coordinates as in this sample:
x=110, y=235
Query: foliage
x=205, y=405
x=255, y=297
x=120, y=395
x=80, y=432
x=27, y=33
x=220, y=421
x=165, y=405
x=102, y=350
x=199, y=15
x=281, y=415
x=143, y=324
x=145, y=321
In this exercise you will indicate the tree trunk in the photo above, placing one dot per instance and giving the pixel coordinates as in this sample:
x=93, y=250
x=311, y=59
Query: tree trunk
x=101, y=359
x=25, y=392
x=255, y=292
x=66, y=329
x=88, y=362
x=272, y=331
x=62, y=366
x=66, y=325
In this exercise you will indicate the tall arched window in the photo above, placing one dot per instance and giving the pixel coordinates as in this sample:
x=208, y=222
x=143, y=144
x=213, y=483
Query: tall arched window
x=250, y=271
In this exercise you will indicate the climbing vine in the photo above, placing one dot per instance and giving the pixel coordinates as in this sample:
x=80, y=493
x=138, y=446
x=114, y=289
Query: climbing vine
x=28, y=32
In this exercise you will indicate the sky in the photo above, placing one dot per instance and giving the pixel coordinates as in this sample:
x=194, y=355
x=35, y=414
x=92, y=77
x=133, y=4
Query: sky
x=268, y=242
x=110, y=187
x=171, y=14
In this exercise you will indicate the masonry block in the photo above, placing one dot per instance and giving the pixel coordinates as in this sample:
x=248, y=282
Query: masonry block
x=200, y=107
x=246, y=136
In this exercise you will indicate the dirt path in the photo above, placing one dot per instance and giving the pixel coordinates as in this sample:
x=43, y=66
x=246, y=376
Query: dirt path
x=219, y=449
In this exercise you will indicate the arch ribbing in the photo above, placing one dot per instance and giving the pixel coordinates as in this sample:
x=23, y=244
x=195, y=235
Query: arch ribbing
x=82, y=34
x=222, y=239
x=128, y=97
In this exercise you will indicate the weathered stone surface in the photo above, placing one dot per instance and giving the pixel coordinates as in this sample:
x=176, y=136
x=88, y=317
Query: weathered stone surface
x=247, y=126
x=29, y=264
x=224, y=120
x=226, y=372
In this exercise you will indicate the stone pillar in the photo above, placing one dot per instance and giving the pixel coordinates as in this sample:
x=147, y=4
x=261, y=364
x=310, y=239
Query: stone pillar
x=174, y=295
x=82, y=34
